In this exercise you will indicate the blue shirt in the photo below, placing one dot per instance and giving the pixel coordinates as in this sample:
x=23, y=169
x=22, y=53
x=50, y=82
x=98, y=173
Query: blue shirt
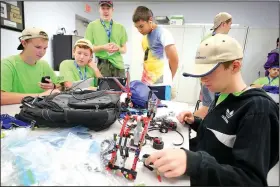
x=207, y=96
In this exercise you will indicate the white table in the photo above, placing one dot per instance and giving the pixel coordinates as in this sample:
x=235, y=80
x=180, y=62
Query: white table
x=143, y=174
x=275, y=97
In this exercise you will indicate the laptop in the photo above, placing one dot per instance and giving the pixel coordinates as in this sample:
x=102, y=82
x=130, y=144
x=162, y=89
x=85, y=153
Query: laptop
x=108, y=83
x=82, y=84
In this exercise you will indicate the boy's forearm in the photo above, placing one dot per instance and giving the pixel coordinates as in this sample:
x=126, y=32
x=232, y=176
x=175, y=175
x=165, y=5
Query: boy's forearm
x=172, y=56
x=122, y=50
x=201, y=112
x=9, y=98
x=98, y=48
x=97, y=72
x=173, y=64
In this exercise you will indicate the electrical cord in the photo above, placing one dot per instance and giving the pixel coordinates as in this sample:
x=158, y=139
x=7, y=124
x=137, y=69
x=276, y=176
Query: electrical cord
x=197, y=105
x=175, y=144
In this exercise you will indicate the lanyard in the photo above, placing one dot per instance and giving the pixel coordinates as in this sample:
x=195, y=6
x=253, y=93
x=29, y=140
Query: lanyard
x=79, y=70
x=270, y=81
x=108, y=31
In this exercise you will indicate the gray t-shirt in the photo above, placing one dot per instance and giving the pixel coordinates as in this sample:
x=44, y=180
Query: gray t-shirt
x=207, y=96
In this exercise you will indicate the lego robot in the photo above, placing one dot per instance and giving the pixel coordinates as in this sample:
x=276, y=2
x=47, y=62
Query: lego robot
x=131, y=139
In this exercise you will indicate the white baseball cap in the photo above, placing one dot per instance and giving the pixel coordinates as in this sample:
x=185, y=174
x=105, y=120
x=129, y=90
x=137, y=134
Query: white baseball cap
x=214, y=51
x=220, y=18
x=30, y=33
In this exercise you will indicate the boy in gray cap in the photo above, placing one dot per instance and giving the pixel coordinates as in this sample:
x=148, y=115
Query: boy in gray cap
x=222, y=25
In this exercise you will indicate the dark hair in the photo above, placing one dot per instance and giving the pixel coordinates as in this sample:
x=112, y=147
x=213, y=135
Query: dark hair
x=229, y=20
x=228, y=63
x=142, y=13
x=277, y=41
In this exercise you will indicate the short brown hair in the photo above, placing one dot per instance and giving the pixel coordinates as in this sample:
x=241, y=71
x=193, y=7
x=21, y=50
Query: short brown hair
x=142, y=13
x=228, y=63
x=229, y=20
x=83, y=47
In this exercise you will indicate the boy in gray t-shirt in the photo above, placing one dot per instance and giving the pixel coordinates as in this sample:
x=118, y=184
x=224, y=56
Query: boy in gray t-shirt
x=206, y=97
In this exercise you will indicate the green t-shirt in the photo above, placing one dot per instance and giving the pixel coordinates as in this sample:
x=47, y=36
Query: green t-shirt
x=20, y=77
x=96, y=33
x=223, y=96
x=70, y=72
x=267, y=81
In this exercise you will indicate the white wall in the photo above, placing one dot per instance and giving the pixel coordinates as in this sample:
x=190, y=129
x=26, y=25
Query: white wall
x=253, y=14
x=49, y=16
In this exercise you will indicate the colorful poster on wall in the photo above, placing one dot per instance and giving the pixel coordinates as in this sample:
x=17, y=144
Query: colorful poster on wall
x=12, y=15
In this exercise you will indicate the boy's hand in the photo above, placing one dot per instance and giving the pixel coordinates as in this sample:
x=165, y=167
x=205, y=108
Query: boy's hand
x=47, y=86
x=107, y=47
x=114, y=48
x=170, y=162
x=186, y=116
x=92, y=64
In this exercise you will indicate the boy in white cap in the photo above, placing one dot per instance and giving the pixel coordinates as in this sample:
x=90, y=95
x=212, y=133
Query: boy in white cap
x=83, y=67
x=21, y=74
x=239, y=138
x=222, y=25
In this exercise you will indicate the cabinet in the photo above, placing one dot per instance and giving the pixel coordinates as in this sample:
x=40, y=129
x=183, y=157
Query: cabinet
x=62, y=48
x=256, y=43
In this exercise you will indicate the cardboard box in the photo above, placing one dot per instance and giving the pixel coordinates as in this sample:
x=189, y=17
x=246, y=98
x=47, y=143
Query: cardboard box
x=176, y=20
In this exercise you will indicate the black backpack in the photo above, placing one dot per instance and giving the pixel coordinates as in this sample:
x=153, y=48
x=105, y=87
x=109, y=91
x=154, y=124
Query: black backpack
x=96, y=110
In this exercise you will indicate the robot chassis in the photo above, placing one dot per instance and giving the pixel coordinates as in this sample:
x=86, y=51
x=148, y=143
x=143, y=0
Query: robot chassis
x=136, y=143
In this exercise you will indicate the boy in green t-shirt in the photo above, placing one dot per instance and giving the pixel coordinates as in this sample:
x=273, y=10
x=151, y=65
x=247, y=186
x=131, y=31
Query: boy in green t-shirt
x=109, y=39
x=83, y=67
x=21, y=74
x=271, y=80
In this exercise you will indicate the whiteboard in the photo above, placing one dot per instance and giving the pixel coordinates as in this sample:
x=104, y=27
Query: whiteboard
x=189, y=88
x=136, y=66
x=258, y=44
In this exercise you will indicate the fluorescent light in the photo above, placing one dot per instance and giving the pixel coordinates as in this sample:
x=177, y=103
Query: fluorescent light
x=210, y=24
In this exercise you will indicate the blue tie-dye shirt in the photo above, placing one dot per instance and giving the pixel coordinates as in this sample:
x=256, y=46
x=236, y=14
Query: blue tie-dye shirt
x=156, y=65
